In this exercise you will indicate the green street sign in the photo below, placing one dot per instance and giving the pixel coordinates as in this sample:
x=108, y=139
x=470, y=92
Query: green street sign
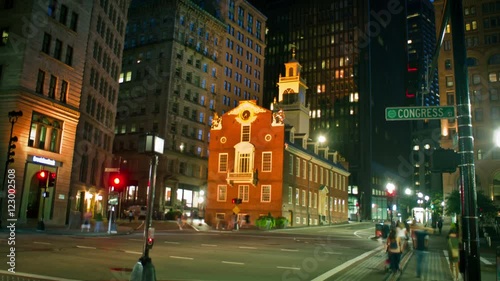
x=419, y=113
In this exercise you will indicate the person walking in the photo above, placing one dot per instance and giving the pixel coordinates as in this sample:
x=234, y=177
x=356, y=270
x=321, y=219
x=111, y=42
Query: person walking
x=440, y=225
x=130, y=216
x=453, y=251
x=420, y=245
x=403, y=236
x=394, y=250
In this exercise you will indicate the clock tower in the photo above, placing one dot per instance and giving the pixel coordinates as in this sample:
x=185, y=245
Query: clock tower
x=292, y=96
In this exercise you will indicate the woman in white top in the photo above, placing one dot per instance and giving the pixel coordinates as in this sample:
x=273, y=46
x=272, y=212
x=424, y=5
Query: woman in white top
x=402, y=233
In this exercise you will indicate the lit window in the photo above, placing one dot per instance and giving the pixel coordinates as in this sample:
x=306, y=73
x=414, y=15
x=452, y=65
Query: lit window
x=493, y=77
x=122, y=75
x=45, y=133
x=221, y=192
x=128, y=76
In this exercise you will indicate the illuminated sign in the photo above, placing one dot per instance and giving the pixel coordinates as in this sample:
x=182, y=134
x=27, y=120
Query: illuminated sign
x=419, y=113
x=43, y=160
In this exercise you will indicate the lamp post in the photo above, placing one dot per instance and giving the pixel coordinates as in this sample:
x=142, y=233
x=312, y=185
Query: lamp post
x=151, y=145
x=13, y=116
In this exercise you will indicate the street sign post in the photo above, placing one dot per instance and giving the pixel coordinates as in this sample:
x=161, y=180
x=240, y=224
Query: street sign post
x=419, y=113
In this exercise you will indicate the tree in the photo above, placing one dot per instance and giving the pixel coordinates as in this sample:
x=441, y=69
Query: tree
x=486, y=208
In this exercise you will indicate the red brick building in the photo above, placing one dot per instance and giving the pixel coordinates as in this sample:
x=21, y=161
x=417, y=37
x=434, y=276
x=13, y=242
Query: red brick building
x=265, y=158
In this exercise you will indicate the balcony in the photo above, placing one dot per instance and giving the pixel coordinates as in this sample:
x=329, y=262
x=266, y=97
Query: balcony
x=239, y=177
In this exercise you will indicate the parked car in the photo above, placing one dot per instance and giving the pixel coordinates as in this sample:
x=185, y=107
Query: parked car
x=139, y=211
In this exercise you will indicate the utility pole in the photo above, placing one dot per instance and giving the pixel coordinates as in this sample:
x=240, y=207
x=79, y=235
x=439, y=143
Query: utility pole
x=470, y=231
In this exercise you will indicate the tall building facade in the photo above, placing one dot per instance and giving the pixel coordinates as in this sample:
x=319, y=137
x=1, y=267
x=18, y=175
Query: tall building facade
x=483, y=59
x=355, y=67
x=43, y=53
x=422, y=90
x=99, y=95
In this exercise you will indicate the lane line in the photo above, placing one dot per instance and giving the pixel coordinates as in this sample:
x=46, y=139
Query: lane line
x=168, y=242
x=233, y=262
x=209, y=245
x=85, y=247
x=181, y=258
x=43, y=243
x=133, y=252
x=246, y=247
x=29, y=275
x=287, y=267
x=289, y=250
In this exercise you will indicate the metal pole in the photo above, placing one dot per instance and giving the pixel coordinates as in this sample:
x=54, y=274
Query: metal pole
x=470, y=237
x=12, y=121
x=147, y=224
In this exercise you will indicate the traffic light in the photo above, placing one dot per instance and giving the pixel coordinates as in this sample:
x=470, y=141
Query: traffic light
x=444, y=161
x=151, y=237
x=236, y=201
x=117, y=181
x=391, y=192
x=52, y=179
x=42, y=178
x=11, y=150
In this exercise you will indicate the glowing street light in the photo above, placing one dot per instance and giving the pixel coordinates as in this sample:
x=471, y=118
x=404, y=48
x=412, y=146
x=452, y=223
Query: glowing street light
x=496, y=137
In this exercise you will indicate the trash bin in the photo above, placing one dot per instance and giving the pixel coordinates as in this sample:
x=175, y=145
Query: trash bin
x=378, y=230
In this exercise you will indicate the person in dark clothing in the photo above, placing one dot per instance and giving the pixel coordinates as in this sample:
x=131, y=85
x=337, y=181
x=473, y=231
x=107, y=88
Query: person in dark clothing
x=394, y=250
x=420, y=245
x=440, y=225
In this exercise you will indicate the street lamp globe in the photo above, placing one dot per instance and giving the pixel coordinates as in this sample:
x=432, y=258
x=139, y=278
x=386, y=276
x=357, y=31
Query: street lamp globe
x=321, y=139
x=496, y=137
x=408, y=191
x=420, y=195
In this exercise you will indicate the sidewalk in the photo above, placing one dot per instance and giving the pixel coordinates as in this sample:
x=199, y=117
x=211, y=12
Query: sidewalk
x=437, y=266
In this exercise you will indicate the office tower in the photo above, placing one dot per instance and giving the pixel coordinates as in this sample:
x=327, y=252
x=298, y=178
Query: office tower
x=184, y=62
x=422, y=90
x=44, y=72
x=354, y=65
x=483, y=60
x=95, y=132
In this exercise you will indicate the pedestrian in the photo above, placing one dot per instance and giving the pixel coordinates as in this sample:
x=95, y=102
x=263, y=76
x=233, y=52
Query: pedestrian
x=421, y=244
x=394, y=250
x=453, y=251
x=440, y=225
x=403, y=235
x=130, y=216
x=98, y=222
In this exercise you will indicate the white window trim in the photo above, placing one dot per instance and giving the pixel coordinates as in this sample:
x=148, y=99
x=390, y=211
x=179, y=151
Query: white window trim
x=219, y=187
x=262, y=187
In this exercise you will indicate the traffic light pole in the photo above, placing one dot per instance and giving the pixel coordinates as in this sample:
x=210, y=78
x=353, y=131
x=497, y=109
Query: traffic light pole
x=13, y=116
x=470, y=237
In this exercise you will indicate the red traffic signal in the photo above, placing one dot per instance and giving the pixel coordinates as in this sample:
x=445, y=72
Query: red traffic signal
x=52, y=179
x=236, y=201
x=42, y=177
x=117, y=181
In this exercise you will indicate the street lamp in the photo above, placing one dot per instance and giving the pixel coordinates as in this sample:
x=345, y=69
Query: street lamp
x=151, y=145
x=13, y=116
x=496, y=137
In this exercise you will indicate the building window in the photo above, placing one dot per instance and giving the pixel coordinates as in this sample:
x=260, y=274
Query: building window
x=315, y=200
x=52, y=87
x=478, y=114
x=243, y=191
x=476, y=79
x=69, y=56
x=40, y=82
x=297, y=167
x=495, y=113
x=64, y=92
x=447, y=64
x=493, y=77
x=297, y=199
x=5, y=36
x=74, y=21
x=266, y=161
x=449, y=81
x=290, y=193
x=265, y=193
x=221, y=193
x=303, y=198
x=63, y=14
x=45, y=133
x=223, y=162
x=290, y=164
x=84, y=168
x=245, y=133
x=58, y=49
x=450, y=98
x=46, y=43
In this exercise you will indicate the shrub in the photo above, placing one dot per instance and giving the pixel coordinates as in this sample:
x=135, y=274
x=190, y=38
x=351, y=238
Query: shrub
x=281, y=222
x=173, y=215
x=266, y=222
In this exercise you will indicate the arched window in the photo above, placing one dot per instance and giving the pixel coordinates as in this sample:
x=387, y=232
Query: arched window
x=84, y=168
x=472, y=61
x=290, y=71
x=495, y=59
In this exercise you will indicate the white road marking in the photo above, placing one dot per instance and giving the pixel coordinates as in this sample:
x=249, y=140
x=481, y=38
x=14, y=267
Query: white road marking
x=181, y=258
x=209, y=245
x=43, y=243
x=343, y=266
x=246, y=247
x=232, y=262
x=289, y=250
x=85, y=247
x=287, y=267
x=168, y=242
x=133, y=252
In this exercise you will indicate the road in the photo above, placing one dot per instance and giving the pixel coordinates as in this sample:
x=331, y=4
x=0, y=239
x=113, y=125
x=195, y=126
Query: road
x=292, y=254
